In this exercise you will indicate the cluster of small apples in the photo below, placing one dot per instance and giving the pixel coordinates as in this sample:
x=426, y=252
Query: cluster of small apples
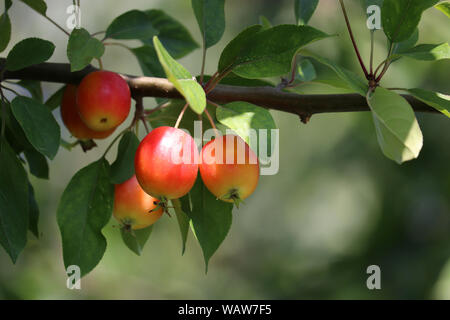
x=167, y=160
x=95, y=108
x=166, y=168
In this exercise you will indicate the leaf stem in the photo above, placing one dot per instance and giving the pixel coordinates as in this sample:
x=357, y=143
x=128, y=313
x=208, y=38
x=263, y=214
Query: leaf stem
x=372, y=32
x=387, y=63
x=355, y=46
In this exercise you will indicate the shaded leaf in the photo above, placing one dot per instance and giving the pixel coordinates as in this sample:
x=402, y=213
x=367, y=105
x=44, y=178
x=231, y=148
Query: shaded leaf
x=148, y=61
x=269, y=53
x=13, y=203
x=400, y=18
x=427, y=52
x=38, y=5
x=33, y=212
x=265, y=23
x=54, y=101
x=353, y=81
x=182, y=209
x=82, y=48
x=439, y=101
x=172, y=34
x=304, y=9
x=85, y=208
x=37, y=163
x=29, y=52
x=210, y=219
x=123, y=168
x=34, y=88
x=5, y=31
x=136, y=239
x=210, y=15
x=305, y=71
x=133, y=24
x=398, y=131
x=38, y=123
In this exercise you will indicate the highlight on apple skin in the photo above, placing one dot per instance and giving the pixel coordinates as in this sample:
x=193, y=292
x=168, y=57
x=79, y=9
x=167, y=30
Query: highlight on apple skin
x=229, y=168
x=72, y=120
x=133, y=207
x=157, y=170
x=104, y=100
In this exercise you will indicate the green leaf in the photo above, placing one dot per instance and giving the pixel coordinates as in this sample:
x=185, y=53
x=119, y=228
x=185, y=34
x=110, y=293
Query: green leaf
x=132, y=24
x=33, y=213
x=5, y=31
x=8, y=4
x=148, y=60
x=37, y=5
x=182, y=208
x=407, y=44
x=210, y=219
x=181, y=79
x=427, y=52
x=136, y=239
x=353, y=81
x=13, y=203
x=194, y=94
x=268, y=53
x=34, y=88
x=265, y=23
x=401, y=17
x=37, y=163
x=82, y=48
x=39, y=125
x=444, y=7
x=304, y=9
x=172, y=34
x=234, y=80
x=123, y=168
x=305, y=71
x=85, y=208
x=210, y=15
x=398, y=131
x=54, y=101
x=29, y=52
x=243, y=117
x=439, y=101
x=14, y=132
x=233, y=49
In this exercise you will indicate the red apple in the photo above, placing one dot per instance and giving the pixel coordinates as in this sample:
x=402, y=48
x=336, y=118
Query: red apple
x=229, y=168
x=133, y=207
x=166, y=163
x=104, y=100
x=72, y=120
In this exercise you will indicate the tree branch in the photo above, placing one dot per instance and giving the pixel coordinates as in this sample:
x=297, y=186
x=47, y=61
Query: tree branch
x=303, y=105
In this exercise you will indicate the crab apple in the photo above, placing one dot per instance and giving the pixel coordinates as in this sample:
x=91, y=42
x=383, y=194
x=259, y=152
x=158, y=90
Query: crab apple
x=104, y=100
x=229, y=168
x=72, y=120
x=133, y=207
x=166, y=163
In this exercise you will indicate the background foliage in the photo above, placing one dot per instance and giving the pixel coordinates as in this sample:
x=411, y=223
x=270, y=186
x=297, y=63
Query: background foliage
x=336, y=206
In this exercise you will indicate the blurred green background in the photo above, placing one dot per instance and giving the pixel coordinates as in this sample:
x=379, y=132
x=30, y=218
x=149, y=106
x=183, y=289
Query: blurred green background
x=336, y=206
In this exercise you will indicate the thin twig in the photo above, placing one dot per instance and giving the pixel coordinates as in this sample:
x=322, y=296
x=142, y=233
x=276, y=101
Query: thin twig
x=344, y=11
x=372, y=32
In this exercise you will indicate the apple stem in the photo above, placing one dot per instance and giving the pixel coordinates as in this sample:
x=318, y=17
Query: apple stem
x=177, y=124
